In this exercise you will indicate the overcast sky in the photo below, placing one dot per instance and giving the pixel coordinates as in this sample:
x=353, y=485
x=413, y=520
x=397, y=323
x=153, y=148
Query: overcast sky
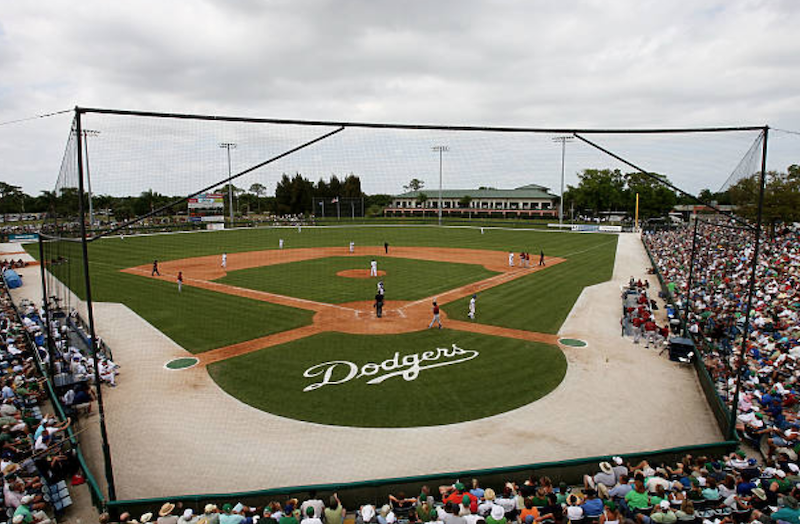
x=619, y=63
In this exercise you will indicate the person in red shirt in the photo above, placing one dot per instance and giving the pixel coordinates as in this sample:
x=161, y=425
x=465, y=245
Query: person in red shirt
x=436, y=319
x=637, y=329
x=650, y=333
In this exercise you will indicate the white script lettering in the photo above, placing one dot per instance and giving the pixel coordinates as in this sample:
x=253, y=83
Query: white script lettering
x=407, y=366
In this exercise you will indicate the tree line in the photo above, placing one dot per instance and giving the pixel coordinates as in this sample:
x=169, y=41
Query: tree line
x=293, y=195
x=600, y=190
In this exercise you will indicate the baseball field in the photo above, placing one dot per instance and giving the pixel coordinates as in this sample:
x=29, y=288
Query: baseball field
x=278, y=361
x=279, y=311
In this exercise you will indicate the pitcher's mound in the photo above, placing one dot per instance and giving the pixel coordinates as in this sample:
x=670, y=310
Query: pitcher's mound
x=357, y=273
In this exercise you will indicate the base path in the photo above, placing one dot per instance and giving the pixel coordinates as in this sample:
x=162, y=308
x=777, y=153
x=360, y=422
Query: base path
x=354, y=317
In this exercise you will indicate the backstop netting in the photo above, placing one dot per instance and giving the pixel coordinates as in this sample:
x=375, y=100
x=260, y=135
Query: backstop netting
x=237, y=268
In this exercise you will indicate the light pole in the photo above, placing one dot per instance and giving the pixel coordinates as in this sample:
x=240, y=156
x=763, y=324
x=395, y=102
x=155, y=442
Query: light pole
x=87, y=133
x=563, y=140
x=441, y=150
x=229, y=146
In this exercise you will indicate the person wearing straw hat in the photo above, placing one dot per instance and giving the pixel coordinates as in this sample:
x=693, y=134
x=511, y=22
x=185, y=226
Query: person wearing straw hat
x=165, y=515
x=210, y=514
x=605, y=477
x=574, y=509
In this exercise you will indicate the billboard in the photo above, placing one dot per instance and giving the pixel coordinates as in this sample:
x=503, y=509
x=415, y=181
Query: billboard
x=207, y=201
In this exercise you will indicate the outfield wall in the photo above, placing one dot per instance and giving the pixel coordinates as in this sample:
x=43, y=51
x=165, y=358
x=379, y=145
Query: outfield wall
x=376, y=492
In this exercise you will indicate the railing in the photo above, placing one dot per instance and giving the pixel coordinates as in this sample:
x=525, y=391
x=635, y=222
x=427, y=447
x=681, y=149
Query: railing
x=98, y=499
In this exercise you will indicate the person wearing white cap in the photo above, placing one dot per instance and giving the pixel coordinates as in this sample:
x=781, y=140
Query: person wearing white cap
x=662, y=514
x=619, y=466
x=496, y=516
x=366, y=515
x=188, y=517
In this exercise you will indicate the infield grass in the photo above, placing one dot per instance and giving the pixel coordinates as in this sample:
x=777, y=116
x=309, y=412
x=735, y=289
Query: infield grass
x=317, y=279
x=273, y=379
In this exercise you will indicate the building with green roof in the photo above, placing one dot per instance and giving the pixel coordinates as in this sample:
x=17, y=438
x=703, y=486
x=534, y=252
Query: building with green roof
x=531, y=200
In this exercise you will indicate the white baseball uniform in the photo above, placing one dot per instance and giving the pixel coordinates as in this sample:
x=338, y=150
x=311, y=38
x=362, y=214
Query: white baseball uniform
x=280, y=244
x=471, y=313
x=224, y=260
x=352, y=247
x=373, y=268
x=511, y=259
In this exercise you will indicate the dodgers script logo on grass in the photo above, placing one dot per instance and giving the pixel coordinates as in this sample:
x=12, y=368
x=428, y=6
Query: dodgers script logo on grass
x=408, y=367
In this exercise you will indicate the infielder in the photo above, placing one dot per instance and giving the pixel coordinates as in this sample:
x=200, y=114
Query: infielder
x=180, y=281
x=373, y=268
x=224, y=260
x=436, y=319
x=155, y=272
x=352, y=247
x=280, y=243
x=471, y=313
x=510, y=259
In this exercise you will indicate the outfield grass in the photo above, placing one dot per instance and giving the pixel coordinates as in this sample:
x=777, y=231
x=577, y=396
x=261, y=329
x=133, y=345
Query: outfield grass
x=541, y=301
x=507, y=374
x=317, y=280
x=200, y=320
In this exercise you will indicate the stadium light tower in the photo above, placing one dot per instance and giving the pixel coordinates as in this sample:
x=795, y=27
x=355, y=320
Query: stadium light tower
x=440, y=150
x=86, y=134
x=229, y=146
x=563, y=140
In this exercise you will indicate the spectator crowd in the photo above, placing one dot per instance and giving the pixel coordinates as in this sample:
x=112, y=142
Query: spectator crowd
x=716, y=305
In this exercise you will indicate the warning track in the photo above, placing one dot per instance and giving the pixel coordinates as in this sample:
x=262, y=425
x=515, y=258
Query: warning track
x=353, y=317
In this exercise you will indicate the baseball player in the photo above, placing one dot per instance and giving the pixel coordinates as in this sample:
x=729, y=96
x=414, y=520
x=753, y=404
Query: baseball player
x=541, y=258
x=373, y=268
x=352, y=247
x=155, y=272
x=436, y=319
x=180, y=281
x=471, y=313
x=381, y=290
x=386, y=247
x=378, y=305
x=224, y=260
x=481, y=231
x=280, y=243
x=510, y=259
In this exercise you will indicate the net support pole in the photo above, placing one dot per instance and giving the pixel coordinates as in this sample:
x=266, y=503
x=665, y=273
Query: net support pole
x=689, y=283
x=46, y=308
x=109, y=471
x=752, y=288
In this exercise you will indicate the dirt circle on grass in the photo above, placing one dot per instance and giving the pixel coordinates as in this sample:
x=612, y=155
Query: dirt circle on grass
x=358, y=273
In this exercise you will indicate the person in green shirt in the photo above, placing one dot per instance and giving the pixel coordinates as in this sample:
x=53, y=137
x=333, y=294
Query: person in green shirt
x=637, y=498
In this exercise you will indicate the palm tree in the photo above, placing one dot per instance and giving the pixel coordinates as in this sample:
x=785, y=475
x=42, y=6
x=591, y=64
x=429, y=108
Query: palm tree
x=258, y=190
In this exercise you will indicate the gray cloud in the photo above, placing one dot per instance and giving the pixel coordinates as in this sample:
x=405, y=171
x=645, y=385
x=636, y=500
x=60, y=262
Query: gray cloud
x=585, y=63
